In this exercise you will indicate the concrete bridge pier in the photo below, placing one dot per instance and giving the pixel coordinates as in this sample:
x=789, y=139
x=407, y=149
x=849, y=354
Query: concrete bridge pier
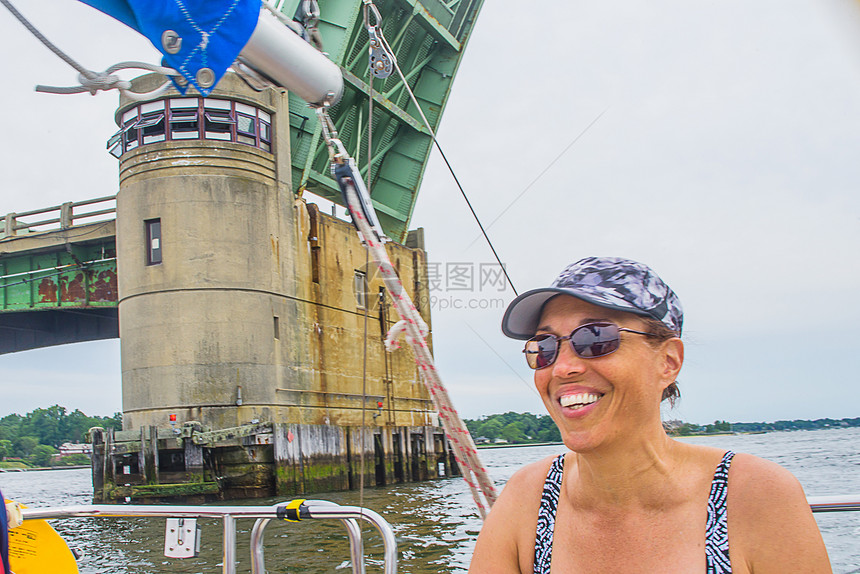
x=205, y=245
x=242, y=319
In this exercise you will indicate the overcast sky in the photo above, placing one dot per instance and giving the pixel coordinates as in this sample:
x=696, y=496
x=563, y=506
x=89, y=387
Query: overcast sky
x=722, y=151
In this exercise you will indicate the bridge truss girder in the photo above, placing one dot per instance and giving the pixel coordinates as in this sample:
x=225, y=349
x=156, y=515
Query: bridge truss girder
x=428, y=38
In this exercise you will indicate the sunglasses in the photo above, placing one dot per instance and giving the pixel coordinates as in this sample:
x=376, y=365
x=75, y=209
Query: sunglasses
x=587, y=341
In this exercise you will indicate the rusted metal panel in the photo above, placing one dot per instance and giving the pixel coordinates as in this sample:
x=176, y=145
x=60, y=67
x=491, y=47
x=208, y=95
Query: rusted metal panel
x=104, y=288
x=74, y=276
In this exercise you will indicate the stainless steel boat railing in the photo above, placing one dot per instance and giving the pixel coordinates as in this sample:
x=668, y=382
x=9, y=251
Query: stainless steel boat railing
x=838, y=503
x=308, y=509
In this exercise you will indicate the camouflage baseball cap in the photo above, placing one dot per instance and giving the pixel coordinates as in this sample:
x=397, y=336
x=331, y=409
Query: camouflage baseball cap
x=610, y=282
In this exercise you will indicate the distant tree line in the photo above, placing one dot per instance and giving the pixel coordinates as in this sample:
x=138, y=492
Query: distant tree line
x=33, y=439
x=526, y=428
x=514, y=428
x=686, y=429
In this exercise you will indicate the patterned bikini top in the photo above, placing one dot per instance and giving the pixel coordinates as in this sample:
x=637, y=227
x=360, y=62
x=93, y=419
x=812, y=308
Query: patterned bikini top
x=716, y=525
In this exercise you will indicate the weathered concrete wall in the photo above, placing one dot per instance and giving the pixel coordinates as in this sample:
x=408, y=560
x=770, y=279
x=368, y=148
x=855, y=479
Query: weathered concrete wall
x=335, y=333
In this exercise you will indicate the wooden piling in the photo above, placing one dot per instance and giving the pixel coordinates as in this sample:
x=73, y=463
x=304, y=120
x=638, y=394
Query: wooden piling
x=109, y=467
x=193, y=452
x=98, y=462
x=148, y=454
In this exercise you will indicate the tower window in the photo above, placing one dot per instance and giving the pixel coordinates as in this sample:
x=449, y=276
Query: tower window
x=152, y=126
x=177, y=119
x=246, y=129
x=183, y=124
x=219, y=125
x=265, y=136
x=360, y=283
x=153, y=241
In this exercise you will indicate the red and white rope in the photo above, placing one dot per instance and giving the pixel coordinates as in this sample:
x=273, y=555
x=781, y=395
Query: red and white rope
x=415, y=328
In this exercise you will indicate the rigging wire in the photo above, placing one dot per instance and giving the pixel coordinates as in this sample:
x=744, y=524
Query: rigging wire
x=543, y=171
x=469, y=203
x=33, y=30
x=364, y=385
x=91, y=81
x=432, y=133
x=369, y=185
x=411, y=323
x=528, y=385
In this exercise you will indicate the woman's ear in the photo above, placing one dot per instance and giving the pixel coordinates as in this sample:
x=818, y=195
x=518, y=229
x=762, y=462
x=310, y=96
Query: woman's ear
x=673, y=359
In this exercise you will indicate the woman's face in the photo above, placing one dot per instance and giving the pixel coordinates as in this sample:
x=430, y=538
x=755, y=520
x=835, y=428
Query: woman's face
x=599, y=399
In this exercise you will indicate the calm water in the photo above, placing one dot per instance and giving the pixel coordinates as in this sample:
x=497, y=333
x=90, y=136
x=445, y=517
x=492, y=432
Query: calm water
x=434, y=521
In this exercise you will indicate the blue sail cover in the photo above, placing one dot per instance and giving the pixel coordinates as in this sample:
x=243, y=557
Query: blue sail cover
x=211, y=33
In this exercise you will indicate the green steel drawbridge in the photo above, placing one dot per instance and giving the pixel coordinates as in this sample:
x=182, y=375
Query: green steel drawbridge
x=428, y=38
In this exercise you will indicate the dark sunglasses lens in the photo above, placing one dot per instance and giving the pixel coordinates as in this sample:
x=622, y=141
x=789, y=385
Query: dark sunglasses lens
x=595, y=340
x=541, y=351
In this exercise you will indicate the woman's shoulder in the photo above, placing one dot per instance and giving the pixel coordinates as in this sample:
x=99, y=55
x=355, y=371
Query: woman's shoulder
x=757, y=481
x=770, y=521
x=750, y=477
x=771, y=527
x=761, y=490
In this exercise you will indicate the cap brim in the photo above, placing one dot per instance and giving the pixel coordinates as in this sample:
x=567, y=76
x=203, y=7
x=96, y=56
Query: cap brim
x=523, y=314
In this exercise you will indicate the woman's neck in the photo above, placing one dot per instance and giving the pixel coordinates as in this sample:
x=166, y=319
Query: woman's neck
x=626, y=473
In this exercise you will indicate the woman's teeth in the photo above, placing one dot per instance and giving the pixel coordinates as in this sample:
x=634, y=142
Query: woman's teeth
x=578, y=401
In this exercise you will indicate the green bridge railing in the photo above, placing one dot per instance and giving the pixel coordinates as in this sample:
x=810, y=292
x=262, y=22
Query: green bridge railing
x=57, y=217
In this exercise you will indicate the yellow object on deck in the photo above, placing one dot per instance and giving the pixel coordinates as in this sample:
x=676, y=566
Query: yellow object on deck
x=36, y=548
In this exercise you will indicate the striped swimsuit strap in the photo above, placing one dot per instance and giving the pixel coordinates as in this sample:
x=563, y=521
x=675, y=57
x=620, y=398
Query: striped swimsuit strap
x=716, y=525
x=546, y=516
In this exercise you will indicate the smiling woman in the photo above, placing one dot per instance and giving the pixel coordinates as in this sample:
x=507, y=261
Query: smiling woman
x=604, y=343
